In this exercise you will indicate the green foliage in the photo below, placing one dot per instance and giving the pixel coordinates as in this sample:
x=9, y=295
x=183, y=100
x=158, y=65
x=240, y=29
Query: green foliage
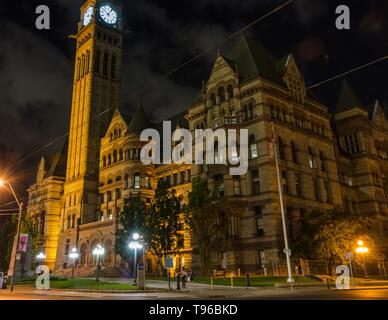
x=162, y=222
x=208, y=218
x=7, y=233
x=131, y=220
x=329, y=235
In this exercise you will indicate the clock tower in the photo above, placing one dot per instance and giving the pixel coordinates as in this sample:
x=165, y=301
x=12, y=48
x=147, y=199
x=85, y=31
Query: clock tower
x=96, y=94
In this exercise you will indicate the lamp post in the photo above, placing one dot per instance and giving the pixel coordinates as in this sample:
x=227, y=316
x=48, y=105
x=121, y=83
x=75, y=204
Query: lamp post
x=74, y=256
x=362, y=250
x=20, y=205
x=135, y=244
x=40, y=257
x=98, y=251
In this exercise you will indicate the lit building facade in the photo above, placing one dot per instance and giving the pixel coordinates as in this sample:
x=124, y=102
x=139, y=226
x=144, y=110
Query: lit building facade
x=328, y=159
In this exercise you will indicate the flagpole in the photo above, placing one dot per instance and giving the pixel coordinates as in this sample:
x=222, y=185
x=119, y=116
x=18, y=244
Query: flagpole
x=287, y=250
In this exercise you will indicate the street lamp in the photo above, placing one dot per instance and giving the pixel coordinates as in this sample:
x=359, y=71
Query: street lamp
x=362, y=250
x=98, y=251
x=40, y=257
x=135, y=245
x=73, y=255
x=20, y=205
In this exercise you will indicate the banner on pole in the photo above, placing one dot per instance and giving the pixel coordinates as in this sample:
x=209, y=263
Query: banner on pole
x=23, y=241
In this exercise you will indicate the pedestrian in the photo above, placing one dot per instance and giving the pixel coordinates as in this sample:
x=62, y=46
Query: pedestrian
x=184, y=278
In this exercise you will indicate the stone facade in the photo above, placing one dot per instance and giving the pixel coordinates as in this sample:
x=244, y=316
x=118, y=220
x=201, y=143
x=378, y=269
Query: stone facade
x=330, y=156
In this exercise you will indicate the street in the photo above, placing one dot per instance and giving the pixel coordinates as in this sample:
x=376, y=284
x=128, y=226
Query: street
x=320, y=293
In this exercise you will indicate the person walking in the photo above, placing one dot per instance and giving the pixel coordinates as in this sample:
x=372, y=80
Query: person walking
x=184, y=278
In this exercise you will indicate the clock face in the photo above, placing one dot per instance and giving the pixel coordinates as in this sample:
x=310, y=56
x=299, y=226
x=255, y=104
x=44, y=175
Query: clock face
x=88, y=16
x=108, y=14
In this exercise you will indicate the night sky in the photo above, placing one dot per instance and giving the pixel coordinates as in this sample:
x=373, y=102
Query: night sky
x=36, y=67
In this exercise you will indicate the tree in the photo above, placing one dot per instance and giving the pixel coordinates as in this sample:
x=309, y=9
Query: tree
x=329, y=235
x=130, y=220
x=163, y=222
x=7, y=234
x=208, y=218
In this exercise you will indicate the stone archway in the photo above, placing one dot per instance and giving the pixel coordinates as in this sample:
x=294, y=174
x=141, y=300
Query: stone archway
x=83, y=254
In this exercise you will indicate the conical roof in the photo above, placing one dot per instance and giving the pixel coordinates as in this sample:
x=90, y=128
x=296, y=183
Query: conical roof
x=139, y=120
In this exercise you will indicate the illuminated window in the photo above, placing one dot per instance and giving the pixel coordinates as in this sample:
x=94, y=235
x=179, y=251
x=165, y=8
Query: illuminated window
x=137, y=180
x=253, y=147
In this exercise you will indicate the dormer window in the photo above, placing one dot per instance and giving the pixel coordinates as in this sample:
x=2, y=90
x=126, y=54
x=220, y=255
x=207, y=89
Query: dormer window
x=221, y=94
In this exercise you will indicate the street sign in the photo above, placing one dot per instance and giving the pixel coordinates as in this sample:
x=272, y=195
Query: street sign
x=349, y=255
x=169, y=263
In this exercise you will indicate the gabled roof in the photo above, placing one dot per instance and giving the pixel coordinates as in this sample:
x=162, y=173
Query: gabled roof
x=56, y=163
x=348, y=99
x=253, y=60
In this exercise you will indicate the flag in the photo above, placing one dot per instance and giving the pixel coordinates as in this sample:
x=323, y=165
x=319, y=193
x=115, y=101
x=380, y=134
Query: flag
x=271, y=147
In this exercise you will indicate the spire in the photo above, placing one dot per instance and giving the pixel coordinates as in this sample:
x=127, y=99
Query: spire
x=347, y=99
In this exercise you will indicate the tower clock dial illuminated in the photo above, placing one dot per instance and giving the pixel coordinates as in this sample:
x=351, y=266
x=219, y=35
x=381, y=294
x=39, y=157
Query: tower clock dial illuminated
x=108, y=14
x=88, y=16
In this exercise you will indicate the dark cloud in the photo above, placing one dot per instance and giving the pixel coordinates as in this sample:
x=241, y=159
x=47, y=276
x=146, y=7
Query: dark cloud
x=36, y=67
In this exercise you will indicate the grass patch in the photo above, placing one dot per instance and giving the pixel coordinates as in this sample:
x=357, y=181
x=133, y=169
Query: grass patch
x=84, y=284
x=254, y=281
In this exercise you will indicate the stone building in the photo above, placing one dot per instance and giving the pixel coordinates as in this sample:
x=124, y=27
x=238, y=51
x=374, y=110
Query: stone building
x=330, y=156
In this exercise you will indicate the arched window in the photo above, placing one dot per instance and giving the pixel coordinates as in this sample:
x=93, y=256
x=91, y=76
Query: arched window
x=322, y=160
x=293, y=152
x=137, y=180
x=87, y=65
x=105, y=64
x=68, y=221
x=120, y=154
x=111, y=137
x=108, y=257
x=221, y=94
x=83, y=254
x=311, y=158
x=42, y=220
x=97, y=61
x=126, y=181
x=83, y=66
x=253, y=147
x=245, y=112
x=78, y=71
x=113, y=67
x=104, y=161
x=116, y=134
x=250, y=111
x=281, y=148
x=114, y=156
x=213, y=99
x=230, y=91
x=73, y=221
x=109, y=159
x=147, y=182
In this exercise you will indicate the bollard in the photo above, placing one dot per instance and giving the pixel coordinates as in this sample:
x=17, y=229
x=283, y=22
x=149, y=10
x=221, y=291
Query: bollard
x=238, y=273
x=178, y=281
x=248, y=281
x=265, y=271
x=211, y=283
